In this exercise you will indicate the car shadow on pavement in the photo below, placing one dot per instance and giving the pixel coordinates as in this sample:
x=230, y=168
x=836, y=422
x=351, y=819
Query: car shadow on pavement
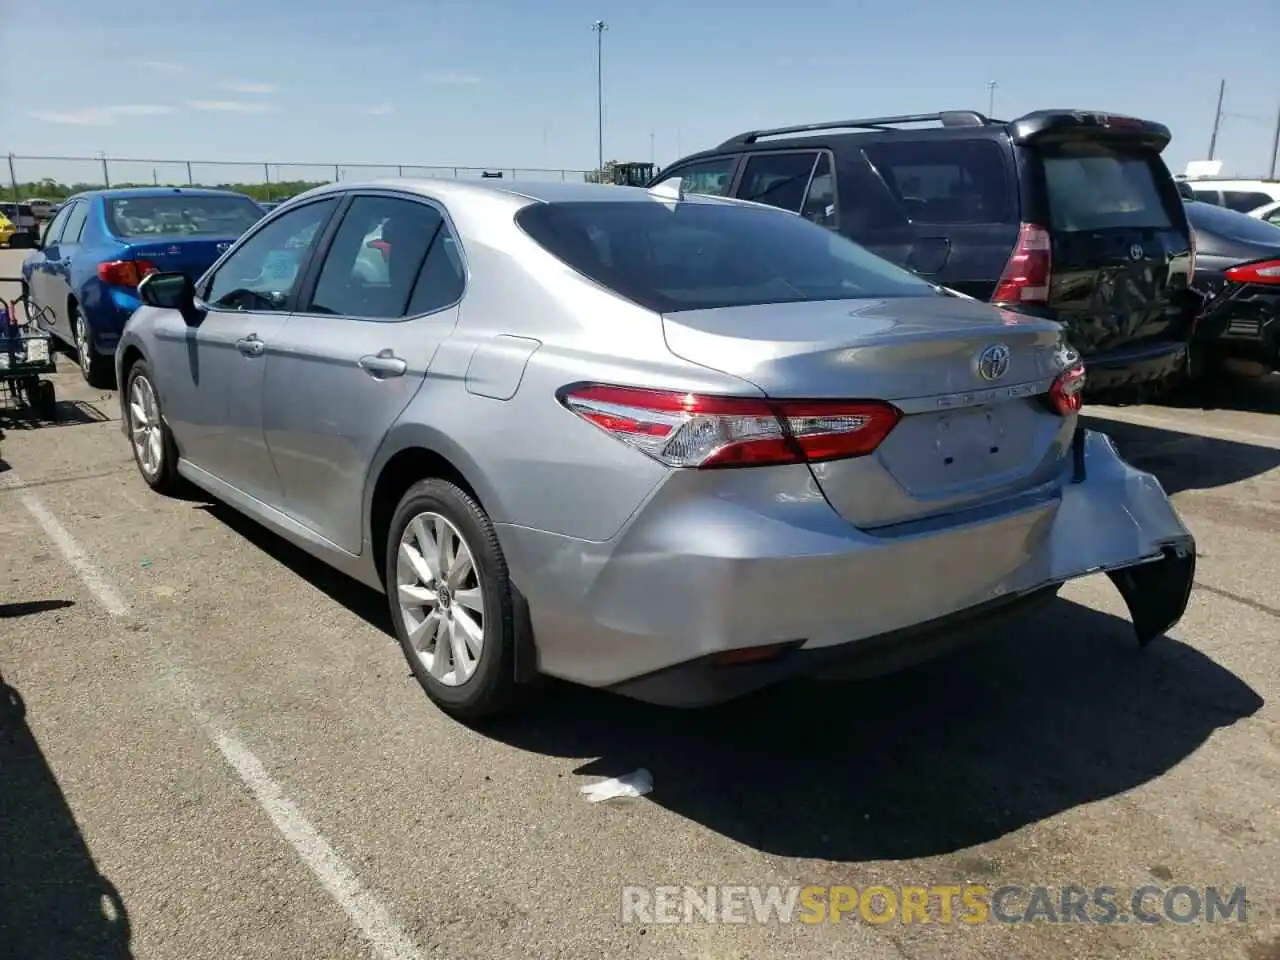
x=30, y=607
x=54, y=904
x=938, y=758
x=1247, y=394
x=68, y=413
x=366, y=603
x=1186, y=461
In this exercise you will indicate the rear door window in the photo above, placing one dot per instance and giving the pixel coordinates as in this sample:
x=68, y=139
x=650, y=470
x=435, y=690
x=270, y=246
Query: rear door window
x=75, y=223
x=1244, y=201
x=1209, y=196
x=54, y=231
x=1096, y=187
x=375, y=257
x=778, y=179
x=946, y=181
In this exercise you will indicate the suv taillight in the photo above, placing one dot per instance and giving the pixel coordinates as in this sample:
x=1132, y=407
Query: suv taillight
x=700, y=431
x=1264, y=271
x=1025, y=281
x=1066, y=396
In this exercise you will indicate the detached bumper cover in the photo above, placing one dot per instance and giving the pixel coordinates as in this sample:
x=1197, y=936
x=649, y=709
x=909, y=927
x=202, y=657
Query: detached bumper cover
x=643, y=614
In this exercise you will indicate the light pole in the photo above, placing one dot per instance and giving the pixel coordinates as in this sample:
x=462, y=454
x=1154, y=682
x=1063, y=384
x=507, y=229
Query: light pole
x=991, y=98
x=600, y=27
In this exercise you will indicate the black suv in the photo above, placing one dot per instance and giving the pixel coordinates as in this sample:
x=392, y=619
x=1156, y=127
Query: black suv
x=1064, y=214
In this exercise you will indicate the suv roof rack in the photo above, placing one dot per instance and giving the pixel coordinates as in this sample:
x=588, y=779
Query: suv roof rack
x=948, y=118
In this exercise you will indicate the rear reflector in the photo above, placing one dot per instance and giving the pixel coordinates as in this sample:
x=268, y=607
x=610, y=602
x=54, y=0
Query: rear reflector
x=1264, y=271
x=1066, y=396
x=125, y=273
x=1025, y=281
x=700, y=431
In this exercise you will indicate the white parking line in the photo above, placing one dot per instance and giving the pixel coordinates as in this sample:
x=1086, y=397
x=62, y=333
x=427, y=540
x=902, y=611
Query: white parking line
x=369, y=915
x=85, y=568
x=364, y=909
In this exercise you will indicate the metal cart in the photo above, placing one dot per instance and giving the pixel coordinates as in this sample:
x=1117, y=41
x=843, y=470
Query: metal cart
x=26, y=356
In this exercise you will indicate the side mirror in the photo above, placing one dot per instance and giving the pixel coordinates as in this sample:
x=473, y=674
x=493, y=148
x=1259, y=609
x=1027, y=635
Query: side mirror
x=170, y=291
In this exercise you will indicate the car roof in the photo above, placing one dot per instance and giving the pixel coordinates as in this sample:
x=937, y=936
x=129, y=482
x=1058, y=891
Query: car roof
x=121, y=193
x=521, y=193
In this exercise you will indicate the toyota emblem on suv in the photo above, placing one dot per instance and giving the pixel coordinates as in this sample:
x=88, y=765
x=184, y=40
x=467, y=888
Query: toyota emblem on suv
x=993, y=362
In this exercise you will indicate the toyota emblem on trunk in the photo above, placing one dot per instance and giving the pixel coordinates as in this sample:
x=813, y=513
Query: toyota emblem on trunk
x=1136, y=252
x=993, y=362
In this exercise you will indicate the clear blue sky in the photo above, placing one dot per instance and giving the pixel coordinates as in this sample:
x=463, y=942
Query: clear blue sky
x=501, y=83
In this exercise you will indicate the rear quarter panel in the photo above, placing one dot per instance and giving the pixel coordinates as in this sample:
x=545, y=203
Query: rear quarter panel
x=532, y=462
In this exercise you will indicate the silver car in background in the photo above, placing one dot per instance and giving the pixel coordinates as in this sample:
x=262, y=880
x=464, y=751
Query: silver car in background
x=675, y=447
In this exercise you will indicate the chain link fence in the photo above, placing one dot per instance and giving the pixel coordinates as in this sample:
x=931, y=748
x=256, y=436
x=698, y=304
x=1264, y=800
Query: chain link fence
x=54, y=178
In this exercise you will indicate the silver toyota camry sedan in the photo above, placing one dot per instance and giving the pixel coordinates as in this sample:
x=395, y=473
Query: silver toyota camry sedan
x=676, y=447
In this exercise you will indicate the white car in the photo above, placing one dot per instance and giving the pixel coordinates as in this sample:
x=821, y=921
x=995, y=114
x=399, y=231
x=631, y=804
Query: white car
x=1269, y=212
x=1239, y=195
x=43, y=209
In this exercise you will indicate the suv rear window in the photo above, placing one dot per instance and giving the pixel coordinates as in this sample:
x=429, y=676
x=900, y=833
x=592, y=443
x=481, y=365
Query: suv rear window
x=1095, y=187
x=945, y=181
x=184, y=215
x=699, y=255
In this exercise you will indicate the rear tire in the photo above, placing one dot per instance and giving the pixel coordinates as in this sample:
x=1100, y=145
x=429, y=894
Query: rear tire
x=435, y=619
x=96, y=369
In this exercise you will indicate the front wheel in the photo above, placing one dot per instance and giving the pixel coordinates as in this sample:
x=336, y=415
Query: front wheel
x=451, y=600
x=154, y=451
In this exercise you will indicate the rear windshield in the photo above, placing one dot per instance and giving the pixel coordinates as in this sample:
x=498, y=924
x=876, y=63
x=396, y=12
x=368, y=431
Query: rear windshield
x=1231, y=225
x=697, y=255
x=1095, y=187
x=186, y=215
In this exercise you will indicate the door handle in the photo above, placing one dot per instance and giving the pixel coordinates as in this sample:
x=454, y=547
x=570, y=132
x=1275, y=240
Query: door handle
x=383, y=364
x=251, y=346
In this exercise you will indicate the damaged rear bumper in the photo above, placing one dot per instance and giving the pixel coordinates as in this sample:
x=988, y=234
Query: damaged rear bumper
x=653, y=613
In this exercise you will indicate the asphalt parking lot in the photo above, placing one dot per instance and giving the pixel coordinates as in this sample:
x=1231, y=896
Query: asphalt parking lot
x=215, y=749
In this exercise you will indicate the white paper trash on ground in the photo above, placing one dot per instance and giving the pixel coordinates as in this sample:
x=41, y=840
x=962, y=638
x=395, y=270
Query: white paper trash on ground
x=632, y=785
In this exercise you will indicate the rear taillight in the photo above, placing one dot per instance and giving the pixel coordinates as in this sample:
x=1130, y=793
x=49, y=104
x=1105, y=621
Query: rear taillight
x=1264, y=271
x=1066, y=396
x=1025, y=281
x=125, y=273
x=693, y=430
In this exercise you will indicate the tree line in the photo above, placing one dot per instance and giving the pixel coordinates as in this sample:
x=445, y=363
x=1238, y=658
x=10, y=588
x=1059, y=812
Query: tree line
x=56, y=190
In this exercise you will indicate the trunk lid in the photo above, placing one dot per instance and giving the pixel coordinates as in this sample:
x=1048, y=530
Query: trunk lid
x=179, y=254
x=1121, y=245
x=971, y=431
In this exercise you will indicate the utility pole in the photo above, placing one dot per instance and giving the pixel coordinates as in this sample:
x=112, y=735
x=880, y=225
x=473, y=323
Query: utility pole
x=1275, y=147
x=991, y=98
x=1217, y=119
x=600, y=27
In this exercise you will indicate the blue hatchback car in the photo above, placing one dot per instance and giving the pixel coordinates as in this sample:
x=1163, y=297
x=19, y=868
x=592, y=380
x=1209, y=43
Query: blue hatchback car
x=84, y=275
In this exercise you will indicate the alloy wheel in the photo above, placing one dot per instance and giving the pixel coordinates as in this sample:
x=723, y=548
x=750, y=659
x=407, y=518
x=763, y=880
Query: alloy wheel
x=82, y=345
x=145, y=426
x=440, y=598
